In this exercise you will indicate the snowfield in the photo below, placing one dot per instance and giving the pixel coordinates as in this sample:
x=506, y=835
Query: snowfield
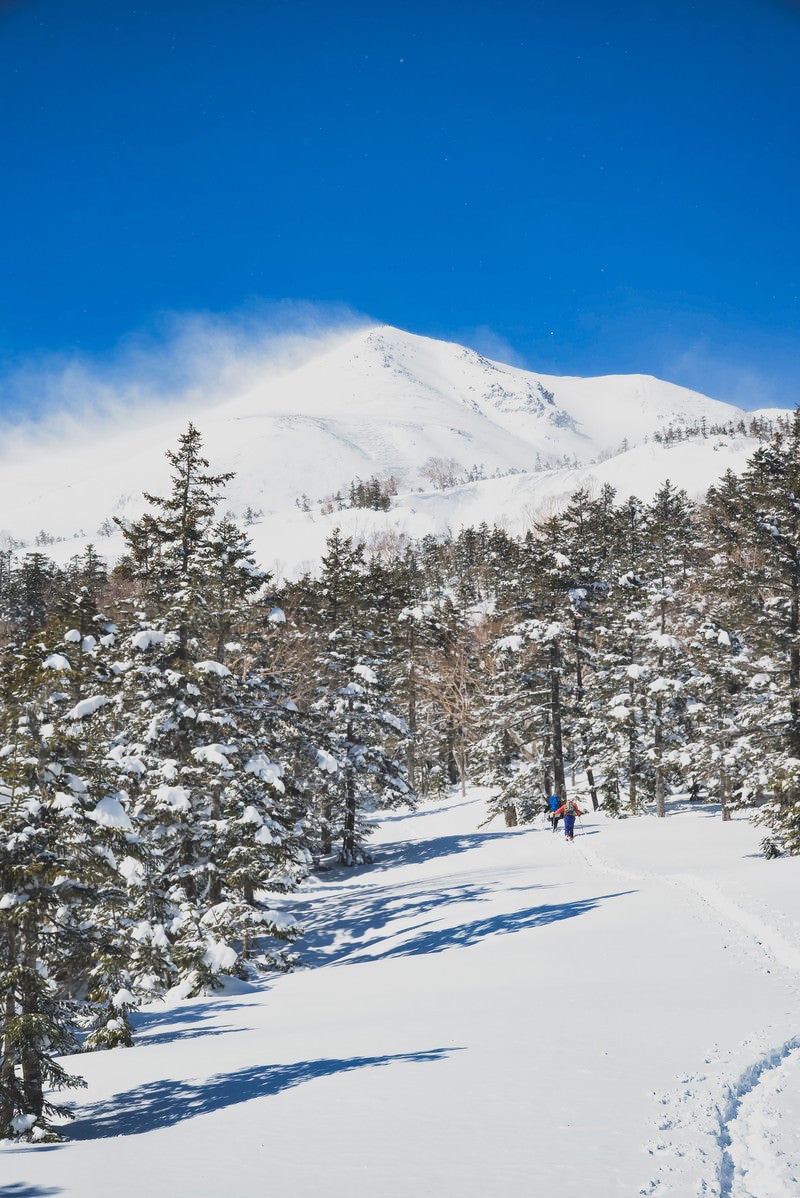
x=484, y=1012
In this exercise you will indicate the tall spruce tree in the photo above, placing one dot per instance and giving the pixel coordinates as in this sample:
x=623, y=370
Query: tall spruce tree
x=355, y=726
x=207, y=776
x=754, y=526
x=63, y=831
x=510, y=753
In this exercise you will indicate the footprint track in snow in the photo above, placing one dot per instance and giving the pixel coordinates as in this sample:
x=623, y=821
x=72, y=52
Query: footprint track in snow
x=747, y=1147
x=754, y=1162
x=731, y=1138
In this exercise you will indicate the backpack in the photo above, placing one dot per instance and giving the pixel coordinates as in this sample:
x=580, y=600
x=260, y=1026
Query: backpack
x=569, y=808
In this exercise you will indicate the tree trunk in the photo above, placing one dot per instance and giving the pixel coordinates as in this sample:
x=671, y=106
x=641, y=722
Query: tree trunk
x=326, y=837
x=462, y=761
x=214, y=875
x=547, y=756
x=794, y=658
x=725, y=779
x=7, y=1065
x=411, y=750
x=579, y=696
x=559, y=778
x=592, y=788
x=349, y=834
x=633, y=798
x=658, y=741
x=453, y=775
x=32, y=1080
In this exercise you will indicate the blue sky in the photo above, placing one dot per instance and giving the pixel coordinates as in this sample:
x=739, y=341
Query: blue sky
x=574, y=186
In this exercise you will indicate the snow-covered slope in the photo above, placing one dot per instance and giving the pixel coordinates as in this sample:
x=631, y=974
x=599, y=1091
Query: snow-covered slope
x=487, y=1012
x=378, y=401
x=513, y=501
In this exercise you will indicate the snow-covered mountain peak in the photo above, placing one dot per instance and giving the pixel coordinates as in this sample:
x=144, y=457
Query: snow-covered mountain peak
x=595, y=414
x=378, y=401
x=452, y=371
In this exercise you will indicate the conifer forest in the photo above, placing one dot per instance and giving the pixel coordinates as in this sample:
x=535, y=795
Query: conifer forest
x=183, y=740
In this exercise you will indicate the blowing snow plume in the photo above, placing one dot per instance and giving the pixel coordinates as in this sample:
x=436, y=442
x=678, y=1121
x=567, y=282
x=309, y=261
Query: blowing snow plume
x=83, y=436
x=182, y=364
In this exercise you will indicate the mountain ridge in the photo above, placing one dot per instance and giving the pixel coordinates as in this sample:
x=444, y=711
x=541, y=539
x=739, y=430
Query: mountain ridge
x=378, y=401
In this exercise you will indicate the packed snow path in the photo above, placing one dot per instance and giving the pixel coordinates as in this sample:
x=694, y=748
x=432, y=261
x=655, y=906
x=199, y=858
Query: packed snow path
x=486, y=1012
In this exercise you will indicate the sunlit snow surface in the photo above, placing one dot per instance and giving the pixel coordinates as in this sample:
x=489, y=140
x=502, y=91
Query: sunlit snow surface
x=486, y=1012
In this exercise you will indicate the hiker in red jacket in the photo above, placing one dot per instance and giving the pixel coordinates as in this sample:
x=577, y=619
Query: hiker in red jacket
x=569, y=809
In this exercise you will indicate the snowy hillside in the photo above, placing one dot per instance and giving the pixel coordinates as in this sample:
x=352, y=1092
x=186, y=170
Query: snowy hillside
x=376, y=402
x=512, y=502
x=485, y=1012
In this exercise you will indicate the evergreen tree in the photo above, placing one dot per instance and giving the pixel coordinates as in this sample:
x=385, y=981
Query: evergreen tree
x=34, y=590
x=510, y=754
x=63, y=829
x=669, y=544
x=755, y=529
x=355, y=725
x=207, y=776
x=164, y=547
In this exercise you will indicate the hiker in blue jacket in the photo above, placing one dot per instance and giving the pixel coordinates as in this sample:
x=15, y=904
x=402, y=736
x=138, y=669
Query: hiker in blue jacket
x=555, y=803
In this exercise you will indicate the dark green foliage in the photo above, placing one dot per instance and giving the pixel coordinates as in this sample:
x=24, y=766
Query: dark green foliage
x=353, y=724
x=58, y=880
x=374, y=493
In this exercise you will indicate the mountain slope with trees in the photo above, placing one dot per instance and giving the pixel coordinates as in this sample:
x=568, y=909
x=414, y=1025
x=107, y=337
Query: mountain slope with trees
x=183, y=740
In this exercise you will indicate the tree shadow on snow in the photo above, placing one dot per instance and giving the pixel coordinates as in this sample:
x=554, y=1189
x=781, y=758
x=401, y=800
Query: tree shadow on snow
x=166, y=1102
x=437, y=939
x=147, y=1040
x=342, y=924
x=21, y=1189
x=349, y=929
x=411, y=852
x=146, y=1022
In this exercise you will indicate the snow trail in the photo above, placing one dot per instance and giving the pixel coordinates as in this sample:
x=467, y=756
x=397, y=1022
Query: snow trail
x=754, y=1164
x=753, y=1160
x=768, y=939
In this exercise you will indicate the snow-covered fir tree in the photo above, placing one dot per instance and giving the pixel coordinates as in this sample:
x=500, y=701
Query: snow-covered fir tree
x=510, y=755
x=356, y=729
x=63, y=836
x=755, y=579
x=197, y=739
